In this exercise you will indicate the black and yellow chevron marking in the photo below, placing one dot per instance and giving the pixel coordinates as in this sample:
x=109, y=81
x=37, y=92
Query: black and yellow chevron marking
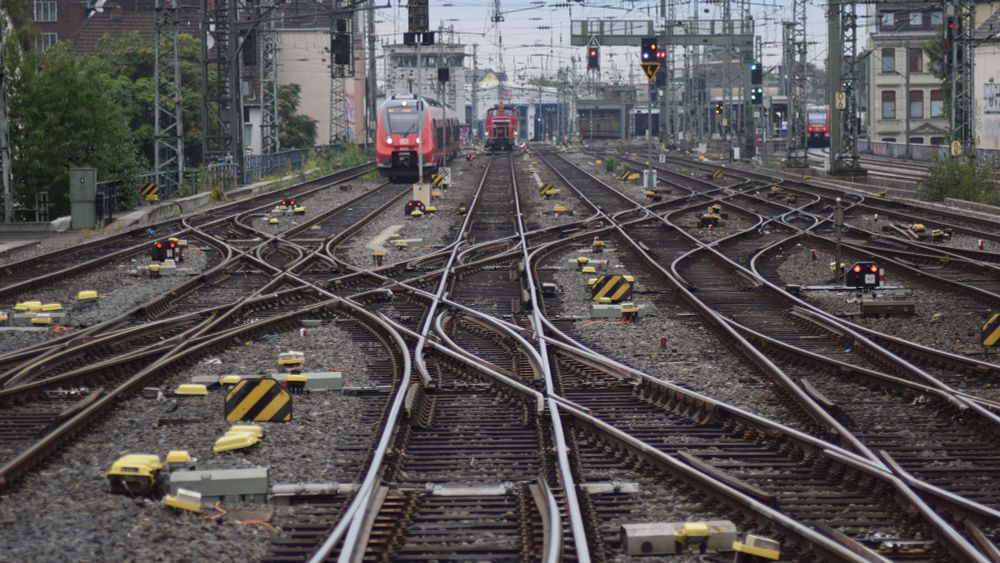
x=438, y=179
x=615, y=287
x=259, y=400
x=150, y=189
x=991, y=331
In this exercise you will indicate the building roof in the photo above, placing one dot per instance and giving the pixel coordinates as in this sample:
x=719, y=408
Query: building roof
x=989, y=30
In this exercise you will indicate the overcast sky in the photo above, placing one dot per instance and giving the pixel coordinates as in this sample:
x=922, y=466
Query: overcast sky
x=528, y=22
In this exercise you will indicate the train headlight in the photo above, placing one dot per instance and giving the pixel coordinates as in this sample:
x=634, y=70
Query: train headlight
x=388, y=139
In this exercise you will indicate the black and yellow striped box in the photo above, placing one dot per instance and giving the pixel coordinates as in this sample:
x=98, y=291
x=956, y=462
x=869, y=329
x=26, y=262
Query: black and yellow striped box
x=615, y=287
x=991, y=331
x=258, y=400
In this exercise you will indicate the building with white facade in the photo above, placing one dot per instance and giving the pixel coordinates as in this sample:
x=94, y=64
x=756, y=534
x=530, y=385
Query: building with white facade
x=904, y=97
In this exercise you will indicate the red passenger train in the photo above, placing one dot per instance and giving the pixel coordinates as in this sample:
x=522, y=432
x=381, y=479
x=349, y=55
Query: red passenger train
x=501, y=129
x=402, y=120
x=818, y=126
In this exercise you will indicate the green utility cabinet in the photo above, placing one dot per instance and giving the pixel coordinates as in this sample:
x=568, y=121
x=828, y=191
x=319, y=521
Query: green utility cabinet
x=82, y=197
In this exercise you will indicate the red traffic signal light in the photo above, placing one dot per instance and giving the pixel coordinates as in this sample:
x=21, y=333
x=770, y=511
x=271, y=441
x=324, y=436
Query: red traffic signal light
x=593, y=58
x=661, y=54
x=873, y=268
x=173, y=244
x=857, y=268
x=159, y=245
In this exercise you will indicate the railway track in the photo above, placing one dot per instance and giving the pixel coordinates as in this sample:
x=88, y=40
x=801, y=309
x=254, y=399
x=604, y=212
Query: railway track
x=485, y=414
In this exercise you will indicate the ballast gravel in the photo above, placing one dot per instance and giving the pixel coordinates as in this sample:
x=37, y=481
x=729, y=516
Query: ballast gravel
x=693, y=358
x=943, y=319
x=422, y=235
x=120, y=288
x=539, y=212
x=63, y=511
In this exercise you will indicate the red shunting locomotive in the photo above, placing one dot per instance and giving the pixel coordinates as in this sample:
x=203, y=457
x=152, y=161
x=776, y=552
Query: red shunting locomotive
x=501, y=129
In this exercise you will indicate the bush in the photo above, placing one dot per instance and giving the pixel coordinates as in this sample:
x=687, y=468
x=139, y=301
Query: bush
x=959, y=178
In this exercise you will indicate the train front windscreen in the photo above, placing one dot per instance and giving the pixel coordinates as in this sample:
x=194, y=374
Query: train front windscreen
x=817, y=118
x=401, y=120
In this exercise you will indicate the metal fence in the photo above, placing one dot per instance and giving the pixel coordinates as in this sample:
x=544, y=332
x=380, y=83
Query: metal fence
x=259, y=166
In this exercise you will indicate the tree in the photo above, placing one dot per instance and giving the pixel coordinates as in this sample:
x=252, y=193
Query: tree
x=64, y=114
x=959, y=178
x=129, y=61
x=295, y=131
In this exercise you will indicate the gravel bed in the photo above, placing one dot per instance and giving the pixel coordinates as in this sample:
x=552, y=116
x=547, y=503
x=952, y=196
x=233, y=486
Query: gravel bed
x=943, y=320
x=39, y=520
x=118, y=292
x=315, y=204
x=958, y=240
x=531, y=172
x=43, y=243
x=694, y=358
x=435, y=230
x=735, y=222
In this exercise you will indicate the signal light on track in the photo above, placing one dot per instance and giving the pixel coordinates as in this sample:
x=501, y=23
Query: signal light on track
x=863, y=275
x=593, y=58
x=159, y=245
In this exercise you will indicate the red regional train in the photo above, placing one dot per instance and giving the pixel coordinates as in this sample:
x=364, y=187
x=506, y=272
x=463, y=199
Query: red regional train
x=818, y=126
x=402, y=119
x=501, y=129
